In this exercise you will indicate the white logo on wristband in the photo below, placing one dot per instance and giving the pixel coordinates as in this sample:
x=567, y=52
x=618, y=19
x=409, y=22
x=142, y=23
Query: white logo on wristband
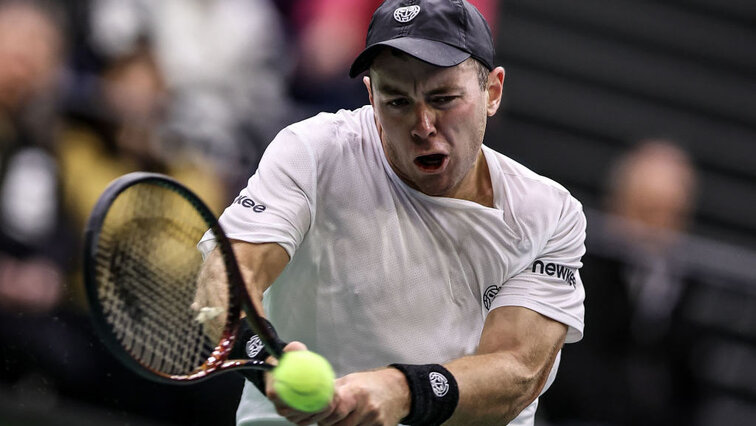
x=254, y=346
x=439, y=384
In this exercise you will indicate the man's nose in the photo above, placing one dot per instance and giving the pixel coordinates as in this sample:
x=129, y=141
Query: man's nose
x=425, y=120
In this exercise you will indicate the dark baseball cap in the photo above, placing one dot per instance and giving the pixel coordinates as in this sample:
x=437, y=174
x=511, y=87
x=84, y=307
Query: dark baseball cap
x=440, y=32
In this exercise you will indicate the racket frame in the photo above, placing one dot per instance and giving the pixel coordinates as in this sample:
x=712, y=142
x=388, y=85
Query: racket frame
x=239, y=299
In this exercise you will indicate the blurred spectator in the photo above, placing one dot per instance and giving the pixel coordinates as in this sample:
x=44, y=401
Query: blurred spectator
x=124, y=131
x=51, y=172
x=653, y=189
x=224, y=64
x=34, y=242
x=329, y=34
x=634, y=365
x=30, y=217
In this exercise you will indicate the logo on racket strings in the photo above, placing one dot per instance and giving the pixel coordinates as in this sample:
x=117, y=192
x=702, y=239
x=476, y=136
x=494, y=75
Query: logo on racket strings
x=439, y=384
x=254, y=346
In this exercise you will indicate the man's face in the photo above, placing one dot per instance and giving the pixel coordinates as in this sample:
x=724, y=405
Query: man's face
x=431, y=120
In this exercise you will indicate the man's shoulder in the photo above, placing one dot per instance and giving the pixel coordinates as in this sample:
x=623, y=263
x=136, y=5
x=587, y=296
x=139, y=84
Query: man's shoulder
x=346, y=139
x=332, y=127
x=531, y=197
x=524, y=180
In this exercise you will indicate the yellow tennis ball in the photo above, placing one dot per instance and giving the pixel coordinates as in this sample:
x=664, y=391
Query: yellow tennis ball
x=304, y=381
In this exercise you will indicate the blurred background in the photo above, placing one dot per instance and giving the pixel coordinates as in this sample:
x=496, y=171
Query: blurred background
x=645, y=110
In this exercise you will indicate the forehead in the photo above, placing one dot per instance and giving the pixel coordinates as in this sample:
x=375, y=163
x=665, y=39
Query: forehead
x=397, y=69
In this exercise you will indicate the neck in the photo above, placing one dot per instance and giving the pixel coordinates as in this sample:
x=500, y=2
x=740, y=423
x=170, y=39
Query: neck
x=476, y=186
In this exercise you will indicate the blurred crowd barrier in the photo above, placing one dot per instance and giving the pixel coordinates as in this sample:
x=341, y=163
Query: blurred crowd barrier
x=669, y=336
x=93, y=89
x=687, y=357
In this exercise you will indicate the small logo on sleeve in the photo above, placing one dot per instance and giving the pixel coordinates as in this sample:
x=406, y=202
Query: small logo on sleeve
x=249, y=203
x=562, y=272
x=439, y=383
x=489, y=295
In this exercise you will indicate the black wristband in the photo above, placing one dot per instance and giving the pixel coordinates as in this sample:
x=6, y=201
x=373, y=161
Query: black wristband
x=249, y=345
x=434, y=393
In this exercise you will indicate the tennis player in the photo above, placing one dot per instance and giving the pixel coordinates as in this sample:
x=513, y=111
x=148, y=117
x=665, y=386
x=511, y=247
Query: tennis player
x=439, y=277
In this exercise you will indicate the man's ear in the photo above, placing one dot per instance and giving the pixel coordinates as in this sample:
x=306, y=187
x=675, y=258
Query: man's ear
x=366, y=81
x=495, y=90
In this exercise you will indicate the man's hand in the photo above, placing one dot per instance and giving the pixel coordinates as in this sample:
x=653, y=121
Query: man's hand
x=211, y=296
x=291, y=414
x=378, y=397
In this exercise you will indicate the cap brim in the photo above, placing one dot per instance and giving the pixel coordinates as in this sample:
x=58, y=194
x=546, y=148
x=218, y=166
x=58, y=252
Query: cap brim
x=430, y=51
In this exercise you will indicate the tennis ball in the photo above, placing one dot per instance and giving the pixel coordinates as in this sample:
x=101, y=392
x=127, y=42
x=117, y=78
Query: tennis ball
x=304, y=381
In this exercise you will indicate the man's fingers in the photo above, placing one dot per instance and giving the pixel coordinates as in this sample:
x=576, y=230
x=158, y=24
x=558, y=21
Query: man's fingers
x=350, y=419
x=307, y=418
x=339, y=413
x=270, y=391
x=291, y=414
x=295, y=346
x=299, y=417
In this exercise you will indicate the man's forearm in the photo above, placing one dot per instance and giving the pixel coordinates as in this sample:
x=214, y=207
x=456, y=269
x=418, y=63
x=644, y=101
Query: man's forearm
x=495, y=387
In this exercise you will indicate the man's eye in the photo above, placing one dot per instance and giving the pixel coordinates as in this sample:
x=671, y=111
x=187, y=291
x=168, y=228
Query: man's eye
x=397, y=102
x=443, y=99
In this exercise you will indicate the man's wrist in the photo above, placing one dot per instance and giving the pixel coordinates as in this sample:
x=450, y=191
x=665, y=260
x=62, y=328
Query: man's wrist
x=400, y=388
x=434, y=394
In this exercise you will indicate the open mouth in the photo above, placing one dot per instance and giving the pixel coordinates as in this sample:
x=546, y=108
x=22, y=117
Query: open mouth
x=430, y=163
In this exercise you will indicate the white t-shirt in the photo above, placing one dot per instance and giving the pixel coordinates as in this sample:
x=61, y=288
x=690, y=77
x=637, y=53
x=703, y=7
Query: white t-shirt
x=381, y=273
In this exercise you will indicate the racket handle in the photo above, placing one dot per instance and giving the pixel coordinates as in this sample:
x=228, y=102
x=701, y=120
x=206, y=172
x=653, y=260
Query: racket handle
x=243, y=336
x=257, y=377
x=255, y=351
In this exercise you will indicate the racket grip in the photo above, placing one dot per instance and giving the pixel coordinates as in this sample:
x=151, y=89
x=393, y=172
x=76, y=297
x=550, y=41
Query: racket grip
x=245, y=335
x=249, y=346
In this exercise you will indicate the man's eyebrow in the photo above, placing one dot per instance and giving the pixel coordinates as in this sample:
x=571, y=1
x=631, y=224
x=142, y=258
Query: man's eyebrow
x=444, y=90
x=393, y=91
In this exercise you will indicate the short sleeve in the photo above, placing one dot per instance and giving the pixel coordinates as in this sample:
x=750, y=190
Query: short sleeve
x=278, y=203
x=551, y=284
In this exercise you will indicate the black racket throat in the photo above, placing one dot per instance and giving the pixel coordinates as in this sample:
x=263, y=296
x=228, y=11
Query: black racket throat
x=157, y=305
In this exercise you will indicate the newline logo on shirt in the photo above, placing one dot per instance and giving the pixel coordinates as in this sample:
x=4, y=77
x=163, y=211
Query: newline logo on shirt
x=551, y=269
x=248, y=203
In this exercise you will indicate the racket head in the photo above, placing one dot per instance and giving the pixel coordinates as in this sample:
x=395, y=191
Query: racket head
x=142, y=270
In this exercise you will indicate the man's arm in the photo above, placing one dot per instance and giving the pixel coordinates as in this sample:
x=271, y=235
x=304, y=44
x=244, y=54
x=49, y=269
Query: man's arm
x=259, y=264
x=517, y=349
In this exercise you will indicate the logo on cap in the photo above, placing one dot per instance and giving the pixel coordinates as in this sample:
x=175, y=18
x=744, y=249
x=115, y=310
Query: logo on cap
x=406, y=13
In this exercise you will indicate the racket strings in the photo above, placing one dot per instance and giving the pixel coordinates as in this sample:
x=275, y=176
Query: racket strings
x=147, y=266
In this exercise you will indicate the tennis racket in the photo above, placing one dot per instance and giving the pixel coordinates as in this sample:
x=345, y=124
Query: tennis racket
x=150, y=299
